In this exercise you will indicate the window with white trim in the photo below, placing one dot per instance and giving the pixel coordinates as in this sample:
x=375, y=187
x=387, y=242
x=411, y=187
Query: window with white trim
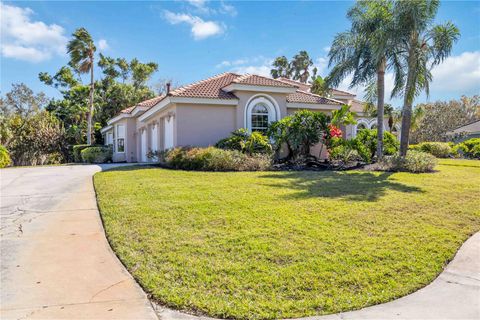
x=120, y=139
x=260, y=118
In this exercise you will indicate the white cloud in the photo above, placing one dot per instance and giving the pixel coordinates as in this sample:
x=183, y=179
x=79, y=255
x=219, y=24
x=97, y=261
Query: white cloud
x=197, y=3
x=29, y=40
x=457, y=74
x=255, y=65
x=200, y=29
x=326, y=49
x=228, y=9
x=103, y=45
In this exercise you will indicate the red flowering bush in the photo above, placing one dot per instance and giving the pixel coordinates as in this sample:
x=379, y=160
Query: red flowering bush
x=335, y=132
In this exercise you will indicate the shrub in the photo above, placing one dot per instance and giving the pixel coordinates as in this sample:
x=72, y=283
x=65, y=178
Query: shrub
x=246, y=142
x=368, y=137
x=437, y=149
x=77, y=149
x=469, y=148
x=4, y=157
x=342, y=149
x=215, y=159
x=415, y=161
x=99, y=154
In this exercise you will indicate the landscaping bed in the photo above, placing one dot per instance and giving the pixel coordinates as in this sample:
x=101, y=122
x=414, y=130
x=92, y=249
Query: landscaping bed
x=277, y=244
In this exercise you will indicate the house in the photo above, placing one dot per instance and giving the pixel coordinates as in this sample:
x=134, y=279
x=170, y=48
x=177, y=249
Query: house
x=471, y=130
x=206, y=111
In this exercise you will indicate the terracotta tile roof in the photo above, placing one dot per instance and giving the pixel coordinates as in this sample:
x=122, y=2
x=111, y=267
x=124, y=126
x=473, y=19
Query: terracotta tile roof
x=307, y=97
x=208, y=88
x=340, y=92
x=302, y=86
x=147, y=103
x=256, y=80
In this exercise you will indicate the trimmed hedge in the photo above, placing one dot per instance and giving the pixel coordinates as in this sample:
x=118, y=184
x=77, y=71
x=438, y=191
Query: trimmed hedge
x=99, y=154
x=415, y=161
x=214, y=159
x=5, y=159
x=77, y=149
x=437, y=149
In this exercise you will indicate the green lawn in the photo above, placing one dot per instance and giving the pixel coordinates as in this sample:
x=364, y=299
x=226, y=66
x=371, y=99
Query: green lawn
x=263, y=245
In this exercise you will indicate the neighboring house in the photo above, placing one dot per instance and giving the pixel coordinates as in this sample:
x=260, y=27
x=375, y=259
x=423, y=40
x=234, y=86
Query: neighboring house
x=471, y=130
x=204, y=112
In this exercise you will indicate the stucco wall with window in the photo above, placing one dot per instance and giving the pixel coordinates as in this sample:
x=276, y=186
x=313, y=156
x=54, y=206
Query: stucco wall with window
x=203, y=125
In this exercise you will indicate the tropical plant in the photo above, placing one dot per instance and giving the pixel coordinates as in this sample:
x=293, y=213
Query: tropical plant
x=246, y=142
x=319, y=86
x=368, y=137
x=300, y=66
x=5, y=159
x=281, y=68
x=436, y=149
x=82, y=53
x=97, y=154
x=469, y=148
x=424, y=46
x=367, y=50
x=414, y=161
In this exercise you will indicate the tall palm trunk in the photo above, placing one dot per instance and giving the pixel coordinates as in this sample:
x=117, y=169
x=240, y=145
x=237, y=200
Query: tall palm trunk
x=407, y=99
x=90, y=112
x=380, y=106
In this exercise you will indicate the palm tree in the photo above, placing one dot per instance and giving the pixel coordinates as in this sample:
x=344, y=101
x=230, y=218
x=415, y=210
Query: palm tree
x=425, y=46
x=300, y=64
x=281, y=68
x=82, y=51
x=319, y=86
x=367, y=50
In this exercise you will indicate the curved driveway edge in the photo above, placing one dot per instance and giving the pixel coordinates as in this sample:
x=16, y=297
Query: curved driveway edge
x=454, y=294
x=55, y=260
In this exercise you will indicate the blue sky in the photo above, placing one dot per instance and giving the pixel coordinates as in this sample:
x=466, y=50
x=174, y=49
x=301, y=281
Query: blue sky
x=191, y=40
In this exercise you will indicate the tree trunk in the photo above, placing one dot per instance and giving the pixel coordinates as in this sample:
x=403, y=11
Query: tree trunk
x=90, y=112
x=408, y=99
x=380, y=106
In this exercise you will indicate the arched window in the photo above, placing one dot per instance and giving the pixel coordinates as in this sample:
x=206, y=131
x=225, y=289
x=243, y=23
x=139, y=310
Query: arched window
x=260, y=111
x=259, y=117
x=361, y=126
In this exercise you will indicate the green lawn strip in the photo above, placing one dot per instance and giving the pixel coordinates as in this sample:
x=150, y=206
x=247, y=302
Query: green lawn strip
x=264, y=245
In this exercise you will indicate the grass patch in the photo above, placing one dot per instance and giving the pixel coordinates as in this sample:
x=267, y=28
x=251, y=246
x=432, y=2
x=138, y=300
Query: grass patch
x=264, y=245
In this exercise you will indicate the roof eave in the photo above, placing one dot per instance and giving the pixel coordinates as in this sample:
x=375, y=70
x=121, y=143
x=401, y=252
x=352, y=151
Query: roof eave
x=248, y=87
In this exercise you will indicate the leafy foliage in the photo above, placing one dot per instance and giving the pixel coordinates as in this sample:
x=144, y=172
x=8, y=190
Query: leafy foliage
x=77, y=149
x=214, y=159
x=437, y=118
x=97, y=154
x=246, y=142
x=415, y=162
x=297, y=69
x=437, y=149
x=368, y=137
x=469, y=148
x=5, y=159
x=341, y=148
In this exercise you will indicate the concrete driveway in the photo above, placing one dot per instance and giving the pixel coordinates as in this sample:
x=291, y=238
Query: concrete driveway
x=55, y=260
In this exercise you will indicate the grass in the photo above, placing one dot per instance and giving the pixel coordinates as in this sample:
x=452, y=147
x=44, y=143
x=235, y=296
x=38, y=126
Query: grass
x=264, y=245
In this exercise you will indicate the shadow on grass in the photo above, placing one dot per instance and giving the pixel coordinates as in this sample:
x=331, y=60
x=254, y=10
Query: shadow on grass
x=355, y=186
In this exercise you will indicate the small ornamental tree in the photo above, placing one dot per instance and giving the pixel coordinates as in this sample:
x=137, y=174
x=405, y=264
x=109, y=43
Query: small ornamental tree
x=304, y=129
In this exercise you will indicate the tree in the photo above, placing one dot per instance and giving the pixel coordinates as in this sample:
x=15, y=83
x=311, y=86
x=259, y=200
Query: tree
x=439, y=117
x=281, y=68
x=367, y=50
x=319, y=86
x=82, y=53
x=300, y=66
x=29, y=132
x=424, y=47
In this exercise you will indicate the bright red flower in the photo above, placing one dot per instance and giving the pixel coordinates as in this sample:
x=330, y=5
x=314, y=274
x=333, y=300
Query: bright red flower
x=335, y=132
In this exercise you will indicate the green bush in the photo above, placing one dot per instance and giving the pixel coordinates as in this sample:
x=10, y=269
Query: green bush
x=415, y=161
x=4, y=157
x=246, y=142
x=99, y=154
x=342, y=150
x=437, y=149
x=215, y=159
x=368, y=137
x=469, y=148
x=77, y=149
